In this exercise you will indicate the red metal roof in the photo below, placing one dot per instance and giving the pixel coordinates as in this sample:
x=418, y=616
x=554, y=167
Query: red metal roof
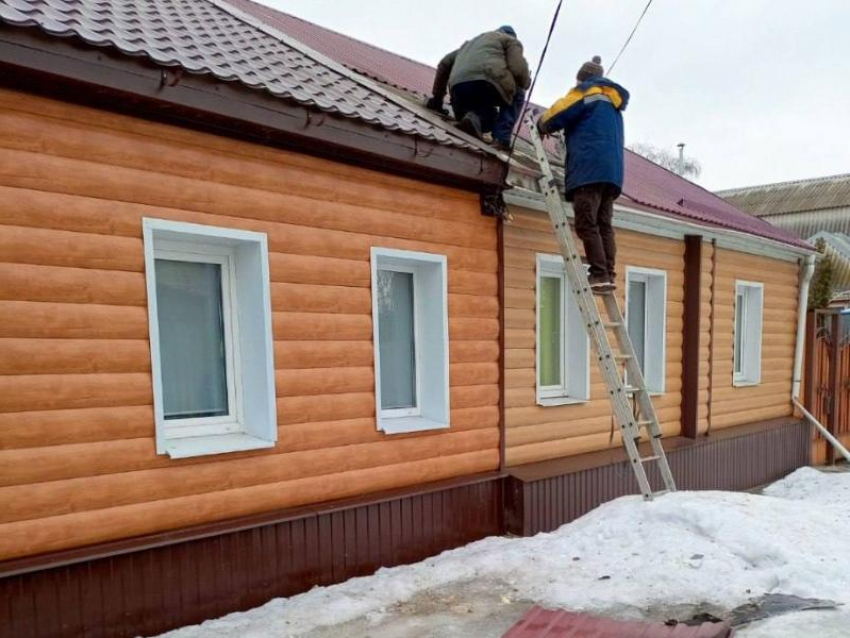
x=545, y=623
x=646, y=183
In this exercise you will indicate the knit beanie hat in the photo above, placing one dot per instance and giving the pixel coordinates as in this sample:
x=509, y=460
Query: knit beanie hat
x=589, y=69
x=507, y=29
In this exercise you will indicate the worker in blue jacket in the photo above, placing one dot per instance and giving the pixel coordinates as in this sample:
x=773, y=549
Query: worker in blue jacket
x=591, y=117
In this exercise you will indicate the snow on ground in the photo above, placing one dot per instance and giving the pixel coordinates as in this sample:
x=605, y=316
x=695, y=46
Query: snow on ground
x=630, y=559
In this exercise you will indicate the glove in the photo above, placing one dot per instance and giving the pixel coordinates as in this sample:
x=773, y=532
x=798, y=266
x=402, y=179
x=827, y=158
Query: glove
x=540, y=128
x=436, y=105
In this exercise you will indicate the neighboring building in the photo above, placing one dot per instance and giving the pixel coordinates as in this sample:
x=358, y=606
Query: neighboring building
x=811, y=209
x=256, y=333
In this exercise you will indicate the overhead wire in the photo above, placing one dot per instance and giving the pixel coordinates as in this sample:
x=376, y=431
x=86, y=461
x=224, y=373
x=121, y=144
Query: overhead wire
x=531, y=88
x=631, y=35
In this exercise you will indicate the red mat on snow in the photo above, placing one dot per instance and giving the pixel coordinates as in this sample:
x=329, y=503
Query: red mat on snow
x=545, y=623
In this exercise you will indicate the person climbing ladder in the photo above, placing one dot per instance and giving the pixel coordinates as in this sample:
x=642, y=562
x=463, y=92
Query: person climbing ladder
x=591, y=117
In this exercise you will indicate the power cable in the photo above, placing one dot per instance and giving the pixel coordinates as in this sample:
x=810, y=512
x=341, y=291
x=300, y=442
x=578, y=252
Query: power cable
x=531, y=89
x=629, y=39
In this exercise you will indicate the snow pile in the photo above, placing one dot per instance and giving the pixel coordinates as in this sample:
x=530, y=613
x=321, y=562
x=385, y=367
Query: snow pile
x=623, y=559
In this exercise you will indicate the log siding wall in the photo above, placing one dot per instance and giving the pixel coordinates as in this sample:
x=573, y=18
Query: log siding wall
x=77, y=460
x=535, y=433
x=770, y=399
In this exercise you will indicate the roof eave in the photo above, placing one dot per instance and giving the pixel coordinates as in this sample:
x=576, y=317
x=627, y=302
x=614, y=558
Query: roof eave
x=643, y=219
x=66, y=68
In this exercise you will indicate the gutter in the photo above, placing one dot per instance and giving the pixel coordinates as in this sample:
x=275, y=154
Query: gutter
x=808, y=270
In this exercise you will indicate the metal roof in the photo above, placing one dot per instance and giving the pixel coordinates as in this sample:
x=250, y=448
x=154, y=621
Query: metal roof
x=821, y=193
x=211, y=37
x=837, y=246
x=646, y=183
x=545, y=623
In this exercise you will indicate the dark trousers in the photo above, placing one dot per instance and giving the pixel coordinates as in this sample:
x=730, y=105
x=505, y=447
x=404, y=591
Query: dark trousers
x=594, y=209
x=482, y=98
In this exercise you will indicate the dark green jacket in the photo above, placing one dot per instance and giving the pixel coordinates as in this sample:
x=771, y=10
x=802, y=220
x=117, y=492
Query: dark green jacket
x=493, y=56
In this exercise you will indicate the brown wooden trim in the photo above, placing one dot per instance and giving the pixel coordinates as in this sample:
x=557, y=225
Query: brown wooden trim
x=502, y=434
x=835, y=382
x=809, y=372
x=162, y=539
x=65, y=69
x=691, y=336
x=711, y=330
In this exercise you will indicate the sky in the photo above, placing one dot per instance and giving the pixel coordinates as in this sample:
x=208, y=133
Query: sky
x=758, y=90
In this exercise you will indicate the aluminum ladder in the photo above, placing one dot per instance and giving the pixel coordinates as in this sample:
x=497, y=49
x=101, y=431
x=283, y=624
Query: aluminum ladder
x=631, y=421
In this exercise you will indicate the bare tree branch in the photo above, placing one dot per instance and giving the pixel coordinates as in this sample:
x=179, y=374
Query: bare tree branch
x=668, y=159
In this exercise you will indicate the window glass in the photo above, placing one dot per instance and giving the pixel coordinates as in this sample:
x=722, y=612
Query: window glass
x=397, y=336
x=191, y=339
x=551, y=328
x=636, y=313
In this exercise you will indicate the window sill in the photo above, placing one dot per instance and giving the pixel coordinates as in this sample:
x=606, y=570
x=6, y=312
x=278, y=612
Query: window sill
x=405, y=424
x=217, y=444
x=743, y=383
x=554, y=401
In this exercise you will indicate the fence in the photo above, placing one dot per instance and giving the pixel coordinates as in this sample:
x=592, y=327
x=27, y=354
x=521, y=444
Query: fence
x=827, y=381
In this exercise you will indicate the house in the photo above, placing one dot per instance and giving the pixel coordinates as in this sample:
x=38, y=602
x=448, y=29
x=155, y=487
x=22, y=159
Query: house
x=812, y=209
x=373, y=373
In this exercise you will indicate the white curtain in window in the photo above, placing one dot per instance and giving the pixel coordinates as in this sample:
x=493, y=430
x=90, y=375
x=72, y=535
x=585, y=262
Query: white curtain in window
x=396, y=334
x=191, y=337
x=636, y=312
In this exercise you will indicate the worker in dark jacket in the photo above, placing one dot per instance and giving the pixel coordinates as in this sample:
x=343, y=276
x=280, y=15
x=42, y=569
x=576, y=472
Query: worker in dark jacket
x=486, y=78
x=591, y=117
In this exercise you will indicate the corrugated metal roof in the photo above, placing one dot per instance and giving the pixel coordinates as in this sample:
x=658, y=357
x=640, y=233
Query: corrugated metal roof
x=806, y=224
x=646, y=183
x=838, y=247
x=210, y=37
x=545, y=623
x=789, y=197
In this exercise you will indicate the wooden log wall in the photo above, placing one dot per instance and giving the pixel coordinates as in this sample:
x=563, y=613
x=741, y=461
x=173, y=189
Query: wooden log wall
x=77, y=458
x=537, y=433
x=771, y=399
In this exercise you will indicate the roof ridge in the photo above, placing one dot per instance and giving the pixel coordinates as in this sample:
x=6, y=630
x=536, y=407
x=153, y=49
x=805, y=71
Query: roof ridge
x=355, y=76
x=794, y=182
x=341, y=34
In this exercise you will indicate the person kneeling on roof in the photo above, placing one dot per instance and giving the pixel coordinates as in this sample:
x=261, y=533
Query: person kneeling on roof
x=591, y=117
x=487, y=78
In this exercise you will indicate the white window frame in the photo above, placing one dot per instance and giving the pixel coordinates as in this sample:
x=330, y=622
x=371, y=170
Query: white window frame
x=752, y=320
x=431, y=341
x=575, y=343
x=251, y=422
x=655, y=325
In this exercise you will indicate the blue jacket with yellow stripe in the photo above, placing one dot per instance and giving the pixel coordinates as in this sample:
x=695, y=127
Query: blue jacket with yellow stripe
x=590, y=116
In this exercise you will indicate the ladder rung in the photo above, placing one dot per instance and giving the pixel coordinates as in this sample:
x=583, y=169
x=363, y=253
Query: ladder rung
x=623, y=357
x=609, y=325
x=660, y=493
x=643, y=423
x=647, y=459
x=631, y=389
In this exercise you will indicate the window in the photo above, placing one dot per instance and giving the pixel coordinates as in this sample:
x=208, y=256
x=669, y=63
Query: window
x=411, y=336
x=563, y=369
x=746, y=355
x=209, y=317
x=646, y=319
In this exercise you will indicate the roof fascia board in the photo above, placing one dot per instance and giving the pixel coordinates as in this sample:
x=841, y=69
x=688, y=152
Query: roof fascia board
x=641, y=221
x=308, y=130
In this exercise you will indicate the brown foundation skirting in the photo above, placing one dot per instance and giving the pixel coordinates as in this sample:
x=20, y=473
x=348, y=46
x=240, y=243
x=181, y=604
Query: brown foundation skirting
x=171, y=580
x=145, y=586
x=543, y=496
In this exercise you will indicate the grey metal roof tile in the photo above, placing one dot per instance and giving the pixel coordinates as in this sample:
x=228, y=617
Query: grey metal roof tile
x=206, y=36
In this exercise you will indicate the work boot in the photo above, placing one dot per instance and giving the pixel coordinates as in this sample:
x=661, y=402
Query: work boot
x=601, y=284
x=471, y=124
x=502, y=145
